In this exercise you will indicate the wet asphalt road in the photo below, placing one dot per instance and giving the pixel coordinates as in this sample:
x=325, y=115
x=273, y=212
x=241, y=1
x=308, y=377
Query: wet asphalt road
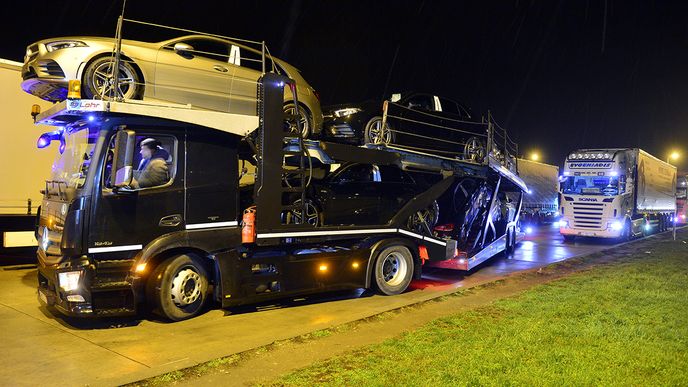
x=37, y=345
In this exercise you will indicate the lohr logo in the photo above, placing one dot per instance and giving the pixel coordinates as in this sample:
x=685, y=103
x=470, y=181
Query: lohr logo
x=74, y=104
x=587, y=200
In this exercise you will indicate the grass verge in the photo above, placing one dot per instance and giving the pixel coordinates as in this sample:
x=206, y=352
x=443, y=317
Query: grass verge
x=625, y=323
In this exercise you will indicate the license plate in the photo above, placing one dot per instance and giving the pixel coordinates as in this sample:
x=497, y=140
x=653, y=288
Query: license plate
x=42, y=297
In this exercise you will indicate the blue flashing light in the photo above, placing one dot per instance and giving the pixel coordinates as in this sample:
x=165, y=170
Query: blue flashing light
x=614, y=173
x=529, y=230
x=91, y=118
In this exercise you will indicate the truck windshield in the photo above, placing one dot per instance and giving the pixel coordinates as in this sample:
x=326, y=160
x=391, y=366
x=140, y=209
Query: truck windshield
x=591, y=185
x=71, y=166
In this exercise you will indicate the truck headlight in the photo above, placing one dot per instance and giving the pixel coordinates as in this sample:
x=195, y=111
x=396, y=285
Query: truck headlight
x=616, y=226
x=563, y=224
x=69, y=280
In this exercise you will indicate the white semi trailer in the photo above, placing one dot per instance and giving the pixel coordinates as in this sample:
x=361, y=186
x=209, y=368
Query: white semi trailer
x=616, y=193
x=23, y=169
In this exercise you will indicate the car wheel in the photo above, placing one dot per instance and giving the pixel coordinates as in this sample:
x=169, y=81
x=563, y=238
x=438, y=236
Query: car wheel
x=474, y=150
x=312, y=216
x=177, y=288
x=427, y=216
x=393, y=270
x=99, y=80
x=305, y=121
x=375, y=133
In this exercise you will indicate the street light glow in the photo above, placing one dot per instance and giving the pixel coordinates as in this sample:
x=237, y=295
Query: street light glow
x=535, y=156
x=673, y=156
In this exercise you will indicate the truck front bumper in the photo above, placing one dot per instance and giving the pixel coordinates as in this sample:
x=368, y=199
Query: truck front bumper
x=607, y=233
x=86, y=293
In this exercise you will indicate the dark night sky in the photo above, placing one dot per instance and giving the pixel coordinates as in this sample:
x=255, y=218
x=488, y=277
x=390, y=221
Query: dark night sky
x=558, y=74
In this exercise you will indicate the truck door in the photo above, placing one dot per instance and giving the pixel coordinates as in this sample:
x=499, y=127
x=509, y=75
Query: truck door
x=131, y=218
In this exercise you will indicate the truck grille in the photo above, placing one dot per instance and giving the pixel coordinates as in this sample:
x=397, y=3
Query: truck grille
x=588, y=215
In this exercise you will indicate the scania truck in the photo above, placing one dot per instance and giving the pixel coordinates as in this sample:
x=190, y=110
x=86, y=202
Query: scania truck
x=615, y=193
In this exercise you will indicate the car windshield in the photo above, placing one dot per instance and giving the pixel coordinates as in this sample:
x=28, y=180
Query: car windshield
x=591, y=185
x=71, y=165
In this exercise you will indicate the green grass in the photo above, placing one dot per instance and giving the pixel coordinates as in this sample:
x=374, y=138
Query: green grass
x=621, y=324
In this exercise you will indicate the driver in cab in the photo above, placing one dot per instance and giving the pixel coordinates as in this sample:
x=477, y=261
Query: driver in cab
x=152, y=170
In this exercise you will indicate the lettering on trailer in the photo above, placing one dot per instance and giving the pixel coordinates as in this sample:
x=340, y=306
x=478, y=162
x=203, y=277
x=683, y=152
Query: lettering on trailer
x=85, y=105
x=590, y=165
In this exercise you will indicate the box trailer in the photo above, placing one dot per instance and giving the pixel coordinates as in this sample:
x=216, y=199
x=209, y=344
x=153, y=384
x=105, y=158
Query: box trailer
x=23, y=169
x=541, y=202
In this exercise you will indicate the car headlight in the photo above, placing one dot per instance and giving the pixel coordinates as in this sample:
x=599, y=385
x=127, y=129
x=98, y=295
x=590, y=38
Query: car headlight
x=345, y=112
x=69, y=280
x=60, y=44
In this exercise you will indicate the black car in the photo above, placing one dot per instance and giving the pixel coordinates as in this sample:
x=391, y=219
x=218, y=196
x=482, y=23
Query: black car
x=364, y=194
x=416, y=121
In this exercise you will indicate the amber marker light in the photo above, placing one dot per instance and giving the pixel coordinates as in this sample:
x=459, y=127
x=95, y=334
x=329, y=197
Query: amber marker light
x=74, y=89
x=322, y=268
x=141, y=267
x=355, y=265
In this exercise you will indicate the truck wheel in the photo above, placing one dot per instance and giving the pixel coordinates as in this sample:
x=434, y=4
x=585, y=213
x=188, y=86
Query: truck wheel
x=569, y=238
x=626, y=233
x=393, y=270
x=177, y=288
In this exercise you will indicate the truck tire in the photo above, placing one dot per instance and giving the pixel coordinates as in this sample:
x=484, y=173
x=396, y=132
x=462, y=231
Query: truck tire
x=393, y=270
x=177, y=288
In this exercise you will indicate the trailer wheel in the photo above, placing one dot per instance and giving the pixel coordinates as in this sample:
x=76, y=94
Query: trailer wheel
x=177, y=288
x=393, y=270
x=510, y=241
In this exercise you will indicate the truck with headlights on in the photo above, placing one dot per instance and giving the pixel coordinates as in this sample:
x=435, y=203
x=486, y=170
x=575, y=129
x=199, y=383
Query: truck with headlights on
x=615, y=193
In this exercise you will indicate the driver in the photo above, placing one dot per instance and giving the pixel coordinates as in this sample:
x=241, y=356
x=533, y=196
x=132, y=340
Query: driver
x=152, y=170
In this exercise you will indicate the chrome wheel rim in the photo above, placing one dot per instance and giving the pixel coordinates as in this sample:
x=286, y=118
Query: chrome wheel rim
x=186, y=287
x=393, y=269
x=379, y=134
x=103, y=81
x=312, y=217
x=303, y=120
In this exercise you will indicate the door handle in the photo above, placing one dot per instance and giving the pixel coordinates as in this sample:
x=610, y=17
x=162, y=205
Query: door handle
x=221, y=68
x=170, y=220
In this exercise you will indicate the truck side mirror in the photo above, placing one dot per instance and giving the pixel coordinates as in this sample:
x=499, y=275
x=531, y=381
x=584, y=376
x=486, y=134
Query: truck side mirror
x=122, y=161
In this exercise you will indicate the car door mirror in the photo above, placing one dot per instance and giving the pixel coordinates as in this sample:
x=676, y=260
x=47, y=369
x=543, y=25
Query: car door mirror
x=122, y=159
x=183, y=49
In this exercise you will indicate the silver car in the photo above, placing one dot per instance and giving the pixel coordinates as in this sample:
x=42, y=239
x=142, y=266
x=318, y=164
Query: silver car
x=204, y=71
